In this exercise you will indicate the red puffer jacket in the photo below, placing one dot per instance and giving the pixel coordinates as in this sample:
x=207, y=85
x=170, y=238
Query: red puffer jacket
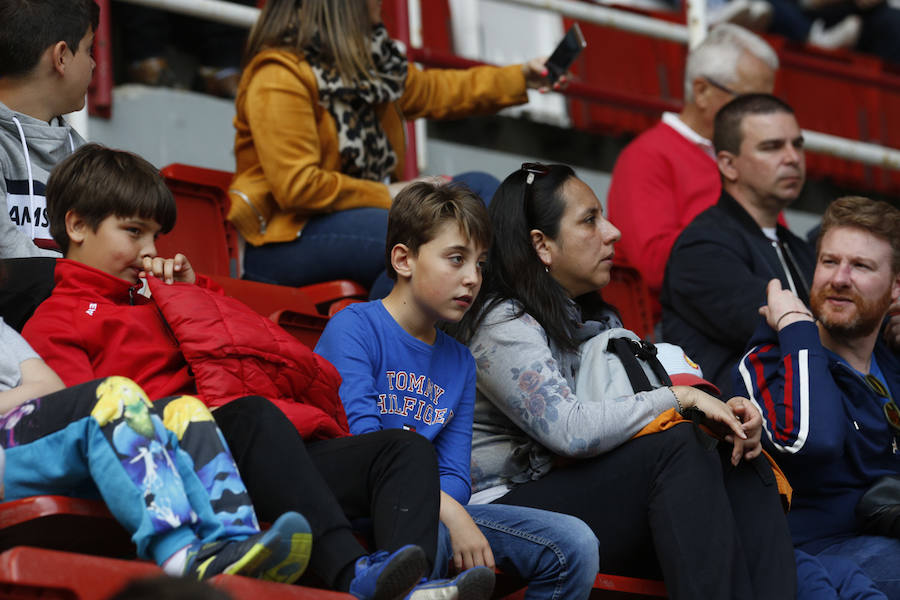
x=233, y=352
x=96, y=325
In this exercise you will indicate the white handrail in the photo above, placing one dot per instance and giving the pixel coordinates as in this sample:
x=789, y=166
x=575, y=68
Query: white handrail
x=866, y=153
x=211, y=10
x=610, y=17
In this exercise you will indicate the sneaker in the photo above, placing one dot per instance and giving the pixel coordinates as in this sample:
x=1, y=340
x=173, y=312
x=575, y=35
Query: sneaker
x=383, y=576
x=288, y=560
x=279, y=554
x=476, y=583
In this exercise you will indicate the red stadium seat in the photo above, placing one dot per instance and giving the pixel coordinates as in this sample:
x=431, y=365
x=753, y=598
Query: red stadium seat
x=243, y=588
x=605, y=587
x=628, y=292
x=304, y=326
x=69, y=575
x=202, y=231
x=89, y=577
x=63, y=523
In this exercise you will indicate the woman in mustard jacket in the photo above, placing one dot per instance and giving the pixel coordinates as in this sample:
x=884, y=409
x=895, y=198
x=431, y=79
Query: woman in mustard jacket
x=320, y=136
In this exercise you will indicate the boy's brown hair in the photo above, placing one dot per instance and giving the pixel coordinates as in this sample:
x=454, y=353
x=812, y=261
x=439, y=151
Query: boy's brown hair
x=96, y=182
x=421, y=208
x=874, y=216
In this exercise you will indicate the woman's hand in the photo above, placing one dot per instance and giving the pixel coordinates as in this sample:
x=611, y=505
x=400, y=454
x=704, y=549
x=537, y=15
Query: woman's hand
x=537, y=76
x=751, y=423
x=169, y=270
x=741, y=421
x=716, y=411
x=470, y=547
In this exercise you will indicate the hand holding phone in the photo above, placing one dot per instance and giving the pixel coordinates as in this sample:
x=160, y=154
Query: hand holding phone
x=565, y=54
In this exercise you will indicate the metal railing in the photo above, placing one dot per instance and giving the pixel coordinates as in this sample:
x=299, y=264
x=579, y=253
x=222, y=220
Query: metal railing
x=853, y=150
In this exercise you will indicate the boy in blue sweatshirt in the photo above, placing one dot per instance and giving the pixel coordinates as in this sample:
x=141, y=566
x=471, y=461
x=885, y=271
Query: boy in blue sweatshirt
x=400, y=371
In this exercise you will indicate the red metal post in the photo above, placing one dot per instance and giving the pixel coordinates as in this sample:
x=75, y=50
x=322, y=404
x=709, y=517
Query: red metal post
x=100, y=91
x=401, y=32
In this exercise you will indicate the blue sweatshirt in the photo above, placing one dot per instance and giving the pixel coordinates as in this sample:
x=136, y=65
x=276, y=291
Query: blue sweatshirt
x=823, y=424
x=392, y=380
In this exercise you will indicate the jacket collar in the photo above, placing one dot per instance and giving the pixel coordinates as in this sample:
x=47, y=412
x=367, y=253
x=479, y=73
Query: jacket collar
x=78, y=279
x=733, y=208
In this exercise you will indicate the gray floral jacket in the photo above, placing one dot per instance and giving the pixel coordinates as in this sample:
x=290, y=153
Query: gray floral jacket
x=526, y=409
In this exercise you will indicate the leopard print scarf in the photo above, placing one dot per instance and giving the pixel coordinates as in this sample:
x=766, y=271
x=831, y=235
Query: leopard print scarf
x=363, y=145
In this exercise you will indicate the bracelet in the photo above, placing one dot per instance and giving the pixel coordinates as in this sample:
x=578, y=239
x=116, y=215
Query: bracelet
x=792, y=312
x=677, y=401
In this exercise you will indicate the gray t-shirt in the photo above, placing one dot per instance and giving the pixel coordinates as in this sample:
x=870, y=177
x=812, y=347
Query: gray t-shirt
x=14, y=350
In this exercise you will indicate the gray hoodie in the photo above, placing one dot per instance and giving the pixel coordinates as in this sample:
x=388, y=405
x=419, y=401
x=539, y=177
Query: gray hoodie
x=29, y=149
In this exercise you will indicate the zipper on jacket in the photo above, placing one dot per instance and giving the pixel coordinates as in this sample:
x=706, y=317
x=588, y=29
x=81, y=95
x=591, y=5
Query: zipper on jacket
x=785, y=268
x=793, y=259
x=259, y=216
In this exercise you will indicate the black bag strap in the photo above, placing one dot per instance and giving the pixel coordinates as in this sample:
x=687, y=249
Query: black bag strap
x=629, y=351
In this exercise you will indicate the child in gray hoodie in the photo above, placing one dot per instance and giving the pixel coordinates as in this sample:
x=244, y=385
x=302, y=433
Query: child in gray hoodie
x=46, y=66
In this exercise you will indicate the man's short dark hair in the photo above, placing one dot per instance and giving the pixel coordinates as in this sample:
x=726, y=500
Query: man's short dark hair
x=727, y=134
x=96, y=182
x=29, y=27
x=421, y=208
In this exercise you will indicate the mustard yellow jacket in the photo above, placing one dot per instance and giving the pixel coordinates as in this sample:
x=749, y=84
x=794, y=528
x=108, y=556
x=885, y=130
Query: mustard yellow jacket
x=286, y=144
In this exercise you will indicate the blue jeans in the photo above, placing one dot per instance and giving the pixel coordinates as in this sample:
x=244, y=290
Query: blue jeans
x=832, y=578
x=877, y=556
x=347, y=244
x=557, y=554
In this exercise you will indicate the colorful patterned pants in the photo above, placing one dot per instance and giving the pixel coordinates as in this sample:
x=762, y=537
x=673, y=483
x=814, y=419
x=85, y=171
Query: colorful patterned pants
x=163, y=468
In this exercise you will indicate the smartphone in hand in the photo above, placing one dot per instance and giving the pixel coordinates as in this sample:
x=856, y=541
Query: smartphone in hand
x=565, y=54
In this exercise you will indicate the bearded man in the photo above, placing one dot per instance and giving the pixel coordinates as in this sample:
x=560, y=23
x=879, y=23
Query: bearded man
x=826, y=384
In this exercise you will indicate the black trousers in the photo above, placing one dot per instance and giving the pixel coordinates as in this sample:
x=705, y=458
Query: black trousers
x=389, y=476
x=665, y=503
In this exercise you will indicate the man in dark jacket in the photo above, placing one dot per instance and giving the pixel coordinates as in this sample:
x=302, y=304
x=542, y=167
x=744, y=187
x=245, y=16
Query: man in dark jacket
x=717, y=273
x=827, y=385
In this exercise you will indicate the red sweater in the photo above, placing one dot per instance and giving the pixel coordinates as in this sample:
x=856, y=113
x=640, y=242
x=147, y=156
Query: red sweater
x=661, y=181
x=188, y=337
